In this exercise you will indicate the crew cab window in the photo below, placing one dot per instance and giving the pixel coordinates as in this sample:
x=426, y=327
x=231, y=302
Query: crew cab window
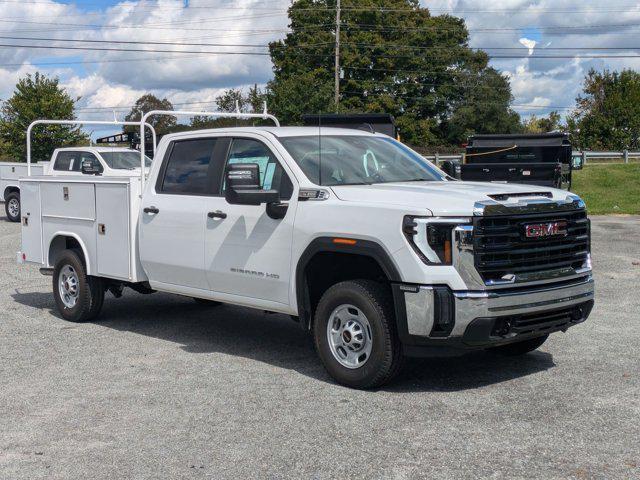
x=186, y=169
x=67, y=162
x=87, y=156
x=272, y=175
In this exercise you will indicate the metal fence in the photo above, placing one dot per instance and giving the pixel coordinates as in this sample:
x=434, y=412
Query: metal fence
x=624, y=156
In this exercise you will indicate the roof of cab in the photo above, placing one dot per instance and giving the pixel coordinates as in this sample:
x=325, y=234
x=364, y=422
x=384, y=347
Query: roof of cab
x=280, y=132
x=97, y=149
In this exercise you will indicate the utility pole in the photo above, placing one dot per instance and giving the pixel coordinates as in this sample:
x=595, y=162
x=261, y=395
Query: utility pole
x=337, y=65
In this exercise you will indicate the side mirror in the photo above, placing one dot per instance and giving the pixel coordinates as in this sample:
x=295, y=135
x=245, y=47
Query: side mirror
x=242, y=182
x=449, y=167
x=577, y=162
x=91, y=166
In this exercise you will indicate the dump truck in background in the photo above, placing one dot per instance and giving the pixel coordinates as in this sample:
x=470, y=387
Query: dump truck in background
x=534, y=159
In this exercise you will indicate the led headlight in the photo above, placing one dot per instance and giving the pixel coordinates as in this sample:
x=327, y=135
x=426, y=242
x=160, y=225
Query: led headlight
x=431, y=237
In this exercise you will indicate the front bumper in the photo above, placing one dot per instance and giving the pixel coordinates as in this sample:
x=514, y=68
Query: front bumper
x=434, y=318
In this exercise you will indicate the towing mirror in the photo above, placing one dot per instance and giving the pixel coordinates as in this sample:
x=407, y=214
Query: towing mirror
x=91, y=166
x=242, y=182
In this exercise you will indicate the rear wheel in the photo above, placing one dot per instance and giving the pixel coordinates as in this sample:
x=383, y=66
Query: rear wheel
x=520, y=348
x=79, y=297
x=12, y=206
x=355, y=334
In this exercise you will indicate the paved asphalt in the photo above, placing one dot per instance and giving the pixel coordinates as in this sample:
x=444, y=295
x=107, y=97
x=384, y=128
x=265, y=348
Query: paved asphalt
x=161, y=387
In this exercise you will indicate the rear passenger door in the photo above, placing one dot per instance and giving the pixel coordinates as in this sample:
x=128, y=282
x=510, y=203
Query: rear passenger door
x=173, y=220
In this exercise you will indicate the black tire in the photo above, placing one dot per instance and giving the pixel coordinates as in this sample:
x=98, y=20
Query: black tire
x=12, y=197
x=375, y=302
x=520, y=348
x=90, y=290
x=204, y=301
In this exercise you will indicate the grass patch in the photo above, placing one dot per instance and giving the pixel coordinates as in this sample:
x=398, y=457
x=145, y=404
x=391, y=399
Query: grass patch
x=609, y=188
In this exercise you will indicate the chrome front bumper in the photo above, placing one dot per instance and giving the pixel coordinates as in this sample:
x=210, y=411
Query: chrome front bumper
x=424, y=311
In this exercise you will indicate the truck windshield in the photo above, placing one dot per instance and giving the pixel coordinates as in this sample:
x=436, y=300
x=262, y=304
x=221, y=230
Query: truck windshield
x=348, y=160
x=124, y=160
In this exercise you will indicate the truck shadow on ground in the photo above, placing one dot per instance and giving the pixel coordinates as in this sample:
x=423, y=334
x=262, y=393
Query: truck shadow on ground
x=276, y=340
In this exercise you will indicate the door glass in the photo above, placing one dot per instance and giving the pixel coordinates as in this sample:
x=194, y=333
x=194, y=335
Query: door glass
x=187, y=167
x=77, y=165
x=67, y=162
x=272, y=175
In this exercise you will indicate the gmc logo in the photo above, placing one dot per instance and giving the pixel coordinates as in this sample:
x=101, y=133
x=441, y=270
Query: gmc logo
x=550, y=229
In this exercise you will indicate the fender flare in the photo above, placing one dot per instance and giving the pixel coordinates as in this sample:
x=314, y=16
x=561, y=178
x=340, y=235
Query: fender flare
x=367, y=248
x=83, y=247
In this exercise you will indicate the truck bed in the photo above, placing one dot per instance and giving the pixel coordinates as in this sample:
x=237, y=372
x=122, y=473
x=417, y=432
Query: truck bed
x=102, y=213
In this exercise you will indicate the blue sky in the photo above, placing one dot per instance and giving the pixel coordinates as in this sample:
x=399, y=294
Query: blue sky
x=113, y=80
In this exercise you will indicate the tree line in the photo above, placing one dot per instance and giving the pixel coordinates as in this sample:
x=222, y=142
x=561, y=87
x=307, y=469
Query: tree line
x=399, y=60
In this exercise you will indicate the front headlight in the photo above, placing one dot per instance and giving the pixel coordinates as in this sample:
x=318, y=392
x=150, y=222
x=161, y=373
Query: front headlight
x=431, y=237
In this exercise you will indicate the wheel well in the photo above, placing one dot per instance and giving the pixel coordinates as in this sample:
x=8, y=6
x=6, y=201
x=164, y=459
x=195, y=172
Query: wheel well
x=64, y=242
x=9, y=190
x=325, y=269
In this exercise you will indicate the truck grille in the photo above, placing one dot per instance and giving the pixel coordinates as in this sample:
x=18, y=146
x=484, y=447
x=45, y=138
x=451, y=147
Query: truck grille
x=502, y=248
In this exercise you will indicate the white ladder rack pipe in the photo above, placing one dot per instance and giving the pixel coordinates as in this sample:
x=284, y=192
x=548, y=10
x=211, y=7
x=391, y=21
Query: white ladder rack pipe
x=89, y=122
x=182, y=113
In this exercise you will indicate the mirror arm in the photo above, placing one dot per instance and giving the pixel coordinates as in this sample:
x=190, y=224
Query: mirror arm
x=277, y=210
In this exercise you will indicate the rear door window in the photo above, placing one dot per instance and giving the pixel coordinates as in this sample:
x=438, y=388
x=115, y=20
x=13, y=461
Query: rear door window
x=67, y=162
x=186, y=170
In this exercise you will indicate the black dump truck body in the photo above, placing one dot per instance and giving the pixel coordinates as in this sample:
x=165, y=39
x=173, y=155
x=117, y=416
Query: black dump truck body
x=369, y=122
x=535, y=159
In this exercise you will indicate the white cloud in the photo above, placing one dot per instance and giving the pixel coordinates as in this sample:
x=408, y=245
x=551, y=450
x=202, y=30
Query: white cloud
x=530, y=44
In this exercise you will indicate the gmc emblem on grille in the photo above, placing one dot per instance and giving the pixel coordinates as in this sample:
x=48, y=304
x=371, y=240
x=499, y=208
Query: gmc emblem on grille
x=550, y=229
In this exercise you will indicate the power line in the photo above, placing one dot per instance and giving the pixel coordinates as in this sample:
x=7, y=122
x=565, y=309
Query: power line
x=312, y=45
x=248, y=53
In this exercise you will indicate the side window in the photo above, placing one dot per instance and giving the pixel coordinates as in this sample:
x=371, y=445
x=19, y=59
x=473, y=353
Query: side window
x=67, y=162
x=77, y=166
x=272, y=175
x=186, y=169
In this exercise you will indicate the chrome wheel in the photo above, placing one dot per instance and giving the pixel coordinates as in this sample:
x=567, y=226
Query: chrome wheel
x=349, y=336
x=68, y=285
x=13, y=207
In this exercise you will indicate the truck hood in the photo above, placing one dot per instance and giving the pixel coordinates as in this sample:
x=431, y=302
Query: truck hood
x=441, y=198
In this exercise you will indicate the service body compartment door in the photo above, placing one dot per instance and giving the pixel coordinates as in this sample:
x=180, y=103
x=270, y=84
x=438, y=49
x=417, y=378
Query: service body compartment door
x=75, y=201
x=112, y=231
x=31, y=222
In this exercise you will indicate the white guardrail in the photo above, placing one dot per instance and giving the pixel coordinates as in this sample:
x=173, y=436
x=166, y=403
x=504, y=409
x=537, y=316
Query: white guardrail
x=586, y=155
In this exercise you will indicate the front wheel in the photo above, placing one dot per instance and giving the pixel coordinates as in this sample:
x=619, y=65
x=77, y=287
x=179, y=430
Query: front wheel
x=355, y=334
x=12, y=206
x=78, y=296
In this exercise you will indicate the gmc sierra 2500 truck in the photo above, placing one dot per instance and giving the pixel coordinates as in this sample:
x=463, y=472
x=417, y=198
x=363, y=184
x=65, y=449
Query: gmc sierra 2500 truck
x=367, y=245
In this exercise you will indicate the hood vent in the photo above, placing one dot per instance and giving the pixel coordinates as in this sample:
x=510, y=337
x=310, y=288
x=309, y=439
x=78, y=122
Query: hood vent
x=500, y=197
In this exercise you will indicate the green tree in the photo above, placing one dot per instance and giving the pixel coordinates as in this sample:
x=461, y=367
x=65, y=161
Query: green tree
x=37, y=97
x=483, y=109
x=228, y=101
x=607, y=116
x=162, y=123
x=395, y=58
x=543, y=124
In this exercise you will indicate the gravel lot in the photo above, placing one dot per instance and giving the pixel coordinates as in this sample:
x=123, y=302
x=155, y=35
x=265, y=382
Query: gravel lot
x=161, y=387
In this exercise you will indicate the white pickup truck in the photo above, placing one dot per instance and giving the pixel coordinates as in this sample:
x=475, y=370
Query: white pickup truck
x=107, y=161
x=363, y=242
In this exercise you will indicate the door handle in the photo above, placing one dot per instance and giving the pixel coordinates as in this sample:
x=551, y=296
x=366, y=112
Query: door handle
x=150, y=210
x=217, y=214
